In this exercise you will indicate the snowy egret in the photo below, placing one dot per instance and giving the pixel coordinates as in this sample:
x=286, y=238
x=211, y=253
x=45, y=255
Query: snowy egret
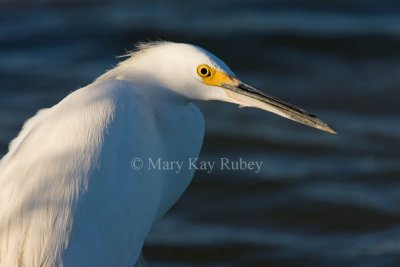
x=68, y=193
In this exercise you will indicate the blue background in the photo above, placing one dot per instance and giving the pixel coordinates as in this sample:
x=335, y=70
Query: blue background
x=320, y=199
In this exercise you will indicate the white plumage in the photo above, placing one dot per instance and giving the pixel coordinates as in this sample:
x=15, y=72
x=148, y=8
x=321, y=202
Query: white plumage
x=68, y=194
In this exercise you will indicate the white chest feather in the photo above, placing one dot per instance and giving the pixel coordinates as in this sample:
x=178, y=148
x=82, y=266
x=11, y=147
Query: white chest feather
x=68, y=193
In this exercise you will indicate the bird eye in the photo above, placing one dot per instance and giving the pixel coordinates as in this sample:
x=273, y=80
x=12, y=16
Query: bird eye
x=204, y=71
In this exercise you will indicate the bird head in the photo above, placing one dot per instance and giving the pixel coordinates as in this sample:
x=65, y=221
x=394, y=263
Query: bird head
x=195, y=73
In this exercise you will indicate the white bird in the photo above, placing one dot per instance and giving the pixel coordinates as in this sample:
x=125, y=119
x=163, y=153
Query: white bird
x=68, y=193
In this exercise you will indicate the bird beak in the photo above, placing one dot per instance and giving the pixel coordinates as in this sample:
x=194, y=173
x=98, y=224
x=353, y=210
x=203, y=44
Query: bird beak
x=247, y=95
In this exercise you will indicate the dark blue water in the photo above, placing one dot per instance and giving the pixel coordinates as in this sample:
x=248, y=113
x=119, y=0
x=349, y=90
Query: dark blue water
x=319, y=199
